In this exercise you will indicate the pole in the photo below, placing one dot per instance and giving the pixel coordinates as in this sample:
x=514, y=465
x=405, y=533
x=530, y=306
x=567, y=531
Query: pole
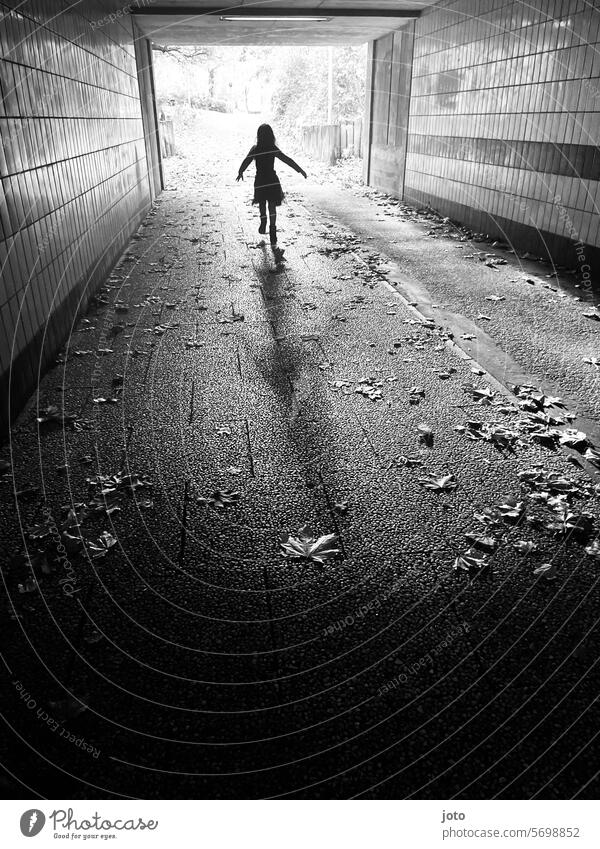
x=330, y=86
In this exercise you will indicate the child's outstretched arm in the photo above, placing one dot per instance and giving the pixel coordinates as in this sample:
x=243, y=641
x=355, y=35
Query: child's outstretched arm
x=245, y=164
x=289, y=161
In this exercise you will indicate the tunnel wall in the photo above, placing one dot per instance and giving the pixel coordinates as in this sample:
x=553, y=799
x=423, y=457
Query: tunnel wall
x=388, y=105
x=74, y=173
x=503, y=123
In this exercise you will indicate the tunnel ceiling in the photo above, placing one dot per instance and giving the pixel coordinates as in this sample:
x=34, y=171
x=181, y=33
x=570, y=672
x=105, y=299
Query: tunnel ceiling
x=169, y=22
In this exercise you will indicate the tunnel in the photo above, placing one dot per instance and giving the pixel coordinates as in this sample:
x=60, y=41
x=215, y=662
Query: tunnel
x=521, y=128
x=314, y=518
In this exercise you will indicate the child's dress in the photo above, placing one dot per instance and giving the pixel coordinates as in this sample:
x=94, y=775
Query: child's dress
x=267, y=187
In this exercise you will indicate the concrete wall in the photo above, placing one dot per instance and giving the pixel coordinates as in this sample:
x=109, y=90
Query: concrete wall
x=388, y=96
x=73, y=171
x=504, y=122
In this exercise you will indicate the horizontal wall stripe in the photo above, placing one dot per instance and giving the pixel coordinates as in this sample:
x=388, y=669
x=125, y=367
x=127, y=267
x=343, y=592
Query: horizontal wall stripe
x=567, y=160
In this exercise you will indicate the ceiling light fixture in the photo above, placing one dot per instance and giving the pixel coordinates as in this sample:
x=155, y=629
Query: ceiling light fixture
x=282, y=18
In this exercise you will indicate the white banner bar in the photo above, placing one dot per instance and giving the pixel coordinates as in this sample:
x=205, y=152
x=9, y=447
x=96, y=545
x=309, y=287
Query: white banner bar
x=301, y=824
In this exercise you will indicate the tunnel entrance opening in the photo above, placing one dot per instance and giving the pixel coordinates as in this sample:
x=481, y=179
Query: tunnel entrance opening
x=210, y=100
x=304, y=68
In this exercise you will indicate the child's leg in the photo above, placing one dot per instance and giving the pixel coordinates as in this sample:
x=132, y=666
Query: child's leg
x=262, y=207
x=273, y=222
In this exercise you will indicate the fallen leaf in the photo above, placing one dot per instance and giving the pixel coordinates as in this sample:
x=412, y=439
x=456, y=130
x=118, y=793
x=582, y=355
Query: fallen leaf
x=573, y=439
x=306, y=546
x=470, y=561
x=593, y=549
x=546, y=570
x=52, y=415
x=221, y=498
x=483, y=396
x=592, y=456
x=439, y=484
x=101, y=546
x=482, y=542
x=511, y=508
x=525, y=546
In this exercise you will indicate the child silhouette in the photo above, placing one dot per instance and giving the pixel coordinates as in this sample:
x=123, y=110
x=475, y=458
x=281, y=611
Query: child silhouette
x=267, y=188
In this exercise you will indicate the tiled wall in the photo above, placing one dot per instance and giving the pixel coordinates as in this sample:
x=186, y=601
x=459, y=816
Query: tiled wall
x=505, y=121
x=73, y=171
x=387, y=103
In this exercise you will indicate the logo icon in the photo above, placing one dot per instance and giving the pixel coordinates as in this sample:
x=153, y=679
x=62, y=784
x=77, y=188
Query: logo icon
x=32, y=822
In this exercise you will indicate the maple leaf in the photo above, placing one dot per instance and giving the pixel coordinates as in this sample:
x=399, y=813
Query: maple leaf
x=221, y=498
x=501, y=436
x=546, y=437
x=482, y=542
x=511, y=508
x=441, y=484
x=470, y=561
x=306, y=546
x=482, y=396
x=102, y=545
x=574, y=439
x=567, y=521
x=490, y=517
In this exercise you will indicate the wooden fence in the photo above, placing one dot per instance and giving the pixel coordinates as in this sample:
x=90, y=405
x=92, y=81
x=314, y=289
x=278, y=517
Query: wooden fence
x=329, y=142
x=166, y=135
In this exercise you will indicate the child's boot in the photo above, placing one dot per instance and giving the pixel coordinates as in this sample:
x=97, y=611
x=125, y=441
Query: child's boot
x=263, y=224
x=273, y=234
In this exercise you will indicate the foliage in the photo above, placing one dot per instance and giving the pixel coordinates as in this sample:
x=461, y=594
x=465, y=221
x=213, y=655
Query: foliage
x=301, y=86
x=289, y=83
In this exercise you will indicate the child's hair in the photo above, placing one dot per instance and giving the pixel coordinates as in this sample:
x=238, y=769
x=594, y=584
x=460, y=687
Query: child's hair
x=265, y=137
